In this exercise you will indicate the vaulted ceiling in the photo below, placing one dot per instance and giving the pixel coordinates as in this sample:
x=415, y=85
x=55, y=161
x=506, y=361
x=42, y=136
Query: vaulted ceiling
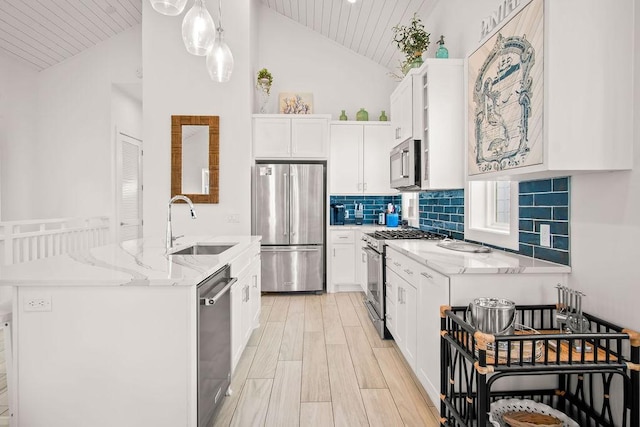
x=42, y=33
x=363, y=26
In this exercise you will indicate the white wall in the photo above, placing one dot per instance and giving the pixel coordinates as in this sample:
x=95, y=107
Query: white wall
x=302, y=60
x=18, y=125
x=605, y=207
x=58, y=154
x=177, y=83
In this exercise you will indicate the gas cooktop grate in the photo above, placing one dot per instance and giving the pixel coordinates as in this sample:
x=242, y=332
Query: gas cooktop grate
x=406, y=234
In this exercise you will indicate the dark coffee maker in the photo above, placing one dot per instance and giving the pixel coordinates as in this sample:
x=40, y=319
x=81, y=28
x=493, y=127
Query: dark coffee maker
x=337, y=214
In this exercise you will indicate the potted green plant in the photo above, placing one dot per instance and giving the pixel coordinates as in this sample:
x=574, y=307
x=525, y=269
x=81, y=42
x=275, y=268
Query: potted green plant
x=263, y=83
x=412, y=40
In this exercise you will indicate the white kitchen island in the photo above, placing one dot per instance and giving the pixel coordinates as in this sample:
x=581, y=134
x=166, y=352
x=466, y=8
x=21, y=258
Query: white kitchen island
x=108, y=337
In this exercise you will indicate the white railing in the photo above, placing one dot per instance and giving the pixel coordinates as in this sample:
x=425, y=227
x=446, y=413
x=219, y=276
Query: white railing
x=22, y=241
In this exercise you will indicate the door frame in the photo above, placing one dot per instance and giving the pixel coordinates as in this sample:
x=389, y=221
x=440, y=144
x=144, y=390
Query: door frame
x=118, y=179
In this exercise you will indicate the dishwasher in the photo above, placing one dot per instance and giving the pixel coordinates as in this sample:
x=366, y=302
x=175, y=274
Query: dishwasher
x=214, y=342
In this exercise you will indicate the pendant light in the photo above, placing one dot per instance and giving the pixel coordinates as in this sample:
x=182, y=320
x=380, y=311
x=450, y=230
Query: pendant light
x=169, y=7
x=219, y=58
x=198, y=29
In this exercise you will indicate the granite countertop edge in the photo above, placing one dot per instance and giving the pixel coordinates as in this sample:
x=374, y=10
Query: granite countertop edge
x=449, y=262
x=140, y=262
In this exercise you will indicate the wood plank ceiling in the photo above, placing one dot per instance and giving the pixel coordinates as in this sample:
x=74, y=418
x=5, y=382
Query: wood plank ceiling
x=42, y=33
x=363, y=26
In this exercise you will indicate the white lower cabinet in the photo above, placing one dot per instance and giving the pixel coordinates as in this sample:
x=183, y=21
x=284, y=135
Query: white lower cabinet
x=245, y=302
x=342, y=255
x=402, y=277
x=433, y=292
x=416, y=292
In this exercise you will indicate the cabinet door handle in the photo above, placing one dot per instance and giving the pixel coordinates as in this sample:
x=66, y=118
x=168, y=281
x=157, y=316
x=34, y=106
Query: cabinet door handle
x=364, y=257
x=343, y=237
x=255, y=281
x=409, y=272
x=400, y=295
x=427, y=275
x=334, y=252
x=365, y=186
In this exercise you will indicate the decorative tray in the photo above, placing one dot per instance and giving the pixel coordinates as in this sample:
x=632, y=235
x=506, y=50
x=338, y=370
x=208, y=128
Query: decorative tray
x=461, y=246
x=500, y=407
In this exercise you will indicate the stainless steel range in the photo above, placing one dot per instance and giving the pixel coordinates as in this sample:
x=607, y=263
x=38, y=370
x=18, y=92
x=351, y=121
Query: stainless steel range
x=375, y=253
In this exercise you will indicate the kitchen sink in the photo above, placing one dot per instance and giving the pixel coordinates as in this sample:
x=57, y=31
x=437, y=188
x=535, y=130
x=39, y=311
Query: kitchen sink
x=204, y=249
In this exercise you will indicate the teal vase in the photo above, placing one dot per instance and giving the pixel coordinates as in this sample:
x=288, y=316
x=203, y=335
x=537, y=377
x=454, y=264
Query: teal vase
x=362, y=115
x=343, y=116
x=442, y=51
x=383, y=117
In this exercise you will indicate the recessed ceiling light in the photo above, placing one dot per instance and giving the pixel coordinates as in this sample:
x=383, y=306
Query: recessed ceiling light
x=352, y=1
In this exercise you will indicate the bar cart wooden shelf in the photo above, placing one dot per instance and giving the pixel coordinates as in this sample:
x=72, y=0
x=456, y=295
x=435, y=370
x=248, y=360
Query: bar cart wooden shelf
x=596, y=387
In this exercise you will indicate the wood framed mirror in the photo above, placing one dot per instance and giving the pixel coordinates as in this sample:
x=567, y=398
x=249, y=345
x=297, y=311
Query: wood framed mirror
x=195, y=157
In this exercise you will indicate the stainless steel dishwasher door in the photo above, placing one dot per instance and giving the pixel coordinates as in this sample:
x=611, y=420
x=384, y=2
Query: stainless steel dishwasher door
x=214, y=343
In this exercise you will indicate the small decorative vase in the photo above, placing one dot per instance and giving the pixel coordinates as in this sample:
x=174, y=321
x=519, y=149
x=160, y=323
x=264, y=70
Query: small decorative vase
x=442, y=51
x=383, y=117
x=264, y=100
x=343, y=116
x=362, y=115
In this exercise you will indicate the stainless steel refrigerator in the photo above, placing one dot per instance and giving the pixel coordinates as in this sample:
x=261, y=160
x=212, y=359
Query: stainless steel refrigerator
x=288, y=212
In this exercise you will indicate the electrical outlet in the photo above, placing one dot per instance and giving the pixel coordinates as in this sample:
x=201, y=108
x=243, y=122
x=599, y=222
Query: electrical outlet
x=38, y=304
x=545, y=235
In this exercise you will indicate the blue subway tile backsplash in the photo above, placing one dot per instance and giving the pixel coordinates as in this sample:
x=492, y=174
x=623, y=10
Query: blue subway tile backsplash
x=443, y=212
x=371, y=204
x=540, y=202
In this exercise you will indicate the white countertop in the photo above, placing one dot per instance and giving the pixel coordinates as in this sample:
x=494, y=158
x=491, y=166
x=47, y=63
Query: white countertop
x=140, y=262
x=449, y=262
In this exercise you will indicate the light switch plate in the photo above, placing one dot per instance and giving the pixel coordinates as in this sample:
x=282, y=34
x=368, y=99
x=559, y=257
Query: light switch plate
x=545, y=235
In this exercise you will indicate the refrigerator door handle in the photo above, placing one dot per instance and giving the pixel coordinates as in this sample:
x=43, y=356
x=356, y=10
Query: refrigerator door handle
x=292, y=226
x=285, y=217
x=288, y=249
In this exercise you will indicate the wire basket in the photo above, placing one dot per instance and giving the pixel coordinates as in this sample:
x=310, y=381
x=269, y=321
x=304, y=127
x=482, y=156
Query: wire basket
x=501, y=407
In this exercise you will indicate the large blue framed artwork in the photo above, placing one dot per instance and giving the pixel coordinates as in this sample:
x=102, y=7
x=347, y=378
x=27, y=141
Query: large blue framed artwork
x=506, y=95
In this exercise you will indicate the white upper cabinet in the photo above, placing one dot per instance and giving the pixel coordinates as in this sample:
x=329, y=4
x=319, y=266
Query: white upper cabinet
x=401, y=111
x=303, y=136
x=359, y=160
x=440, y=102
x=545, y=99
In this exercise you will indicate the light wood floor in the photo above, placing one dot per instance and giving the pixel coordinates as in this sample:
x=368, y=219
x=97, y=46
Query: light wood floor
x=4, y=402
x=316, y=360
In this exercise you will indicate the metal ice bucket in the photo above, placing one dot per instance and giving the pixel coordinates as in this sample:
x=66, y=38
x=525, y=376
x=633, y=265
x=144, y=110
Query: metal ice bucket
x=496, y=316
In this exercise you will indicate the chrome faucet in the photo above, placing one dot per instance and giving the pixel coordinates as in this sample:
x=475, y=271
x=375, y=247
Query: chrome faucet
x=170, y=238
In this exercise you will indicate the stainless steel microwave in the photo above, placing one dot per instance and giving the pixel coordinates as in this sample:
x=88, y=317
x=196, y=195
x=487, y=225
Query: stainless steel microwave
x=405, y=166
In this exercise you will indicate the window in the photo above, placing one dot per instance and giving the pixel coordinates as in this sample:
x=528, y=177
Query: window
x=491, y=209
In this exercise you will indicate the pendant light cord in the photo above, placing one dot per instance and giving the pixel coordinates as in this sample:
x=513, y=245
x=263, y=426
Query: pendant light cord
x=220, y=14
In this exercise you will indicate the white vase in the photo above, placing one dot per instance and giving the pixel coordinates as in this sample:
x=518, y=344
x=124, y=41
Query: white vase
x=264, y=100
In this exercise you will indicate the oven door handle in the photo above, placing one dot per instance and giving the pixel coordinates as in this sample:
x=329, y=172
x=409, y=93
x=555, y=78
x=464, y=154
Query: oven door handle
x=372, y=314
x=370, y=252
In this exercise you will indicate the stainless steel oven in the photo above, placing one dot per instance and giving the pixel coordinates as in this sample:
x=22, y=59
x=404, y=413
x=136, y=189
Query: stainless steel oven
x=374, y=250
x=375, y=288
